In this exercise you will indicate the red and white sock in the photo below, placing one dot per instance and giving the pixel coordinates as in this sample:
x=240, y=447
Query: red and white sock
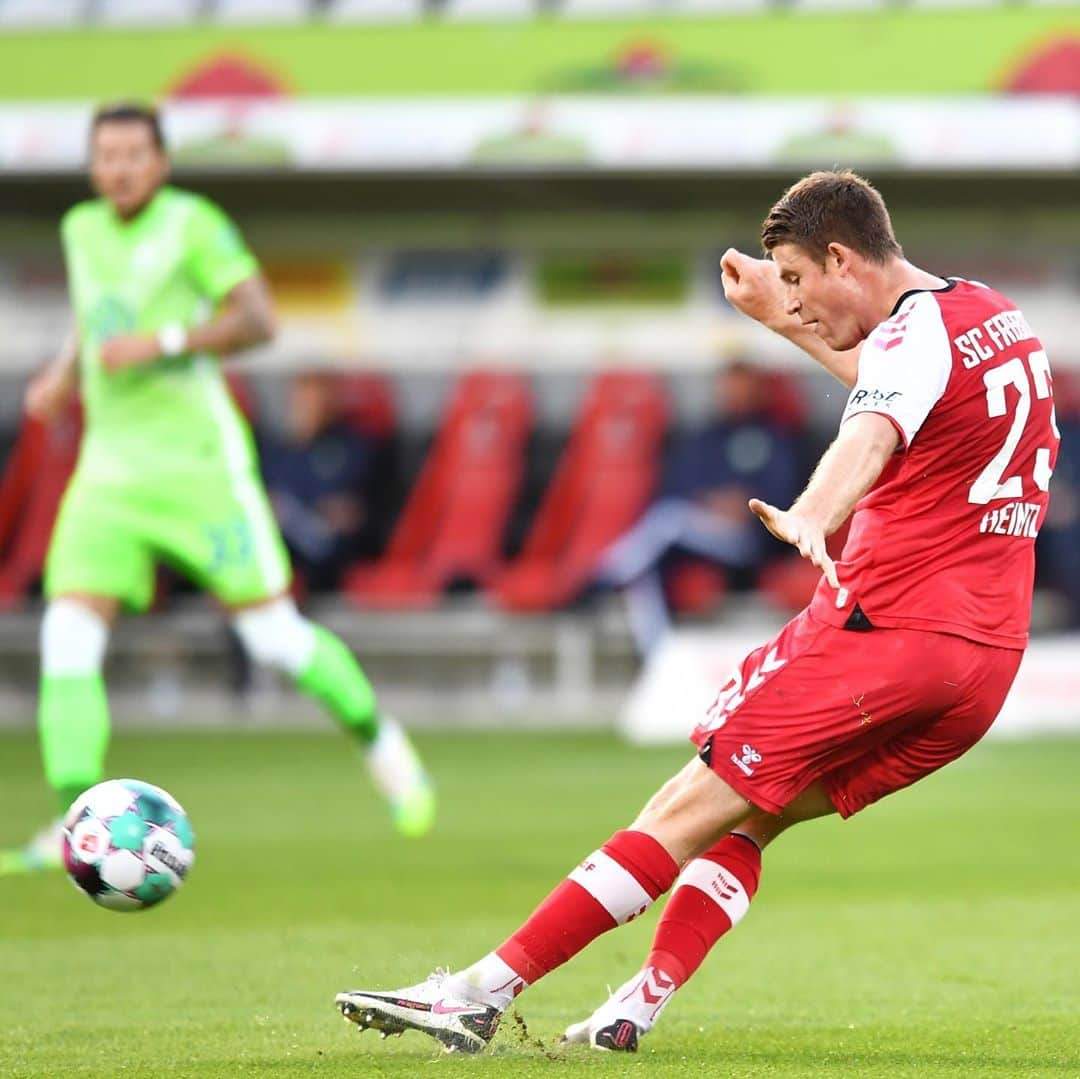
x=613, y=885
x=712, y=894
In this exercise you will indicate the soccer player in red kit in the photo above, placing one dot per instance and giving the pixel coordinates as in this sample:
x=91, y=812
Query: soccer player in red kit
x=905, y=654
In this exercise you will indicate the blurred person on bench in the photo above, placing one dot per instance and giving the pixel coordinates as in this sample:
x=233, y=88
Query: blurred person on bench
x=701, y=506
x=318, y=473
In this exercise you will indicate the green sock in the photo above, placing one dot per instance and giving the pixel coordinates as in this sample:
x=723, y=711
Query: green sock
x=73, y=720
x=335, y=680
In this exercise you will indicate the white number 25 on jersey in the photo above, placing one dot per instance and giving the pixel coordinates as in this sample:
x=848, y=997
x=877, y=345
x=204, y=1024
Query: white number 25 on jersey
x=991, y=484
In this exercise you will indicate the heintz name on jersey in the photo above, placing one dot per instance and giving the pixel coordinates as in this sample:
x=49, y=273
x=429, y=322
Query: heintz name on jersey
x=1015, y=519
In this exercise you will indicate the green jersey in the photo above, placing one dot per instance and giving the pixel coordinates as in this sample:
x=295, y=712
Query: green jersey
x=170, y=264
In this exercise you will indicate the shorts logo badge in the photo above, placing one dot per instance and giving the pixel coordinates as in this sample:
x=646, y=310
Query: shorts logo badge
x=748, y=757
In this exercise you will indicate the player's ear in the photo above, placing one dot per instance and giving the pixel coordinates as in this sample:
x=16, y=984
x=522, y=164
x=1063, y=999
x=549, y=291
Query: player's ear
x=839, y=258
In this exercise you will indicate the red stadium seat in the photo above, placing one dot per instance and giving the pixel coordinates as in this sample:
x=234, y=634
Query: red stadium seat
x=33, y=482
x=242, y=394
x=451, y=528
x=602, y=483
x=696, y=587
x=789, y=583
x=786, y=401
x=1066, y=393
x=368, y=403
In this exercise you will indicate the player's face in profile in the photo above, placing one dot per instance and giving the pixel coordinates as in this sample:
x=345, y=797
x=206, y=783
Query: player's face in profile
x=822, y=295
x=126, y=166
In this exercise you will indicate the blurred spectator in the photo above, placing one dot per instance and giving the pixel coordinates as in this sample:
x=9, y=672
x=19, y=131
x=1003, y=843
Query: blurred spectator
x=1059, y=538
x=701, y=509
x=318, y=476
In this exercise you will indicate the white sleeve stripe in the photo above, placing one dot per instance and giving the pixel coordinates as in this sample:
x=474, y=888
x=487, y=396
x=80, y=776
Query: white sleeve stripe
x=904, y=366
x=613, y=887
x=718, y=884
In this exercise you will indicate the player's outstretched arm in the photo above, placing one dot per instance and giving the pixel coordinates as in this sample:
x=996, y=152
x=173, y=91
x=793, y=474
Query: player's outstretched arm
x=244, y=319
x=50, y=391
x=753, y=286
x=846, y=471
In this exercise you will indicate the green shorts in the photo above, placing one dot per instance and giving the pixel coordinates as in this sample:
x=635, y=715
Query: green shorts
x=218, y=530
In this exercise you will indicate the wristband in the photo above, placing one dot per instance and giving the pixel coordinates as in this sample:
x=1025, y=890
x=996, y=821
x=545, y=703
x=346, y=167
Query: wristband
x=172, y=339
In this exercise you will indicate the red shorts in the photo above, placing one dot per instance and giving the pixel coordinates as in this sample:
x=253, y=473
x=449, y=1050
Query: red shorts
x=868, y=713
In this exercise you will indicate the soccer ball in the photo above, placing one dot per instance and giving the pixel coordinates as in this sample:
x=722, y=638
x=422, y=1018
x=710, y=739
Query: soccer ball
x=127, y=844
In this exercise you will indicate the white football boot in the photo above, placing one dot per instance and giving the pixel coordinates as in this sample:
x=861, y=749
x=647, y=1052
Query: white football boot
x=430, y=1007
x=43, y=852
x=628, y=1014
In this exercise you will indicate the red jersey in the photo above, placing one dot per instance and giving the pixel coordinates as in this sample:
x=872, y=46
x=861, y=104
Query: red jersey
x=945, y=539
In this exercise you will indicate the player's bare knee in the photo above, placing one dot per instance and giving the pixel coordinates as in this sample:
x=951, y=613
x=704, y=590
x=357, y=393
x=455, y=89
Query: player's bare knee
x=276, y=635
x=698, y=809
x=73, y=638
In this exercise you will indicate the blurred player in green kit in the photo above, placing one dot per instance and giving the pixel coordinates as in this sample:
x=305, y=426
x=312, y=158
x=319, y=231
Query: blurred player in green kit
x=162, y=284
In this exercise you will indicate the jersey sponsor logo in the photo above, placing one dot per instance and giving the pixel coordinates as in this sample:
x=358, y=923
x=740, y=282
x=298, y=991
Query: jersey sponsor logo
x=873, y=399
x=745, y=759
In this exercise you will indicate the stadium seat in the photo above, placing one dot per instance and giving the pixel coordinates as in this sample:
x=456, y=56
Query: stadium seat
x=489, y=9
x=1066, y=393
x=368, y=403
x=790, y=581
x=261, y=11
x=33, y=482
x=603, y=481
x=42, y=12
x=451, y=528
x=695, y=587
x=148, y=12
x=786, y=401
x=242, y=394
x=376, y=10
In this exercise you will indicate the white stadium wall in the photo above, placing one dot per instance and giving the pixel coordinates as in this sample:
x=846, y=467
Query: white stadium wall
x=681, y=680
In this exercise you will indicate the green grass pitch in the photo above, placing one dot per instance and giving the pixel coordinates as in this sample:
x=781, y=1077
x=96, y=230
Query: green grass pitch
x=937, y=934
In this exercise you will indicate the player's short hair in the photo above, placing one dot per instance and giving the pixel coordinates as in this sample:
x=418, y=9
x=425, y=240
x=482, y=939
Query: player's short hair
x=832, y=207
x=129, y=112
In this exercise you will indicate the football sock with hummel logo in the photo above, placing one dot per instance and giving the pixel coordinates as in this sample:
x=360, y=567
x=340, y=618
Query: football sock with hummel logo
x=712, y=894
x=613, y=885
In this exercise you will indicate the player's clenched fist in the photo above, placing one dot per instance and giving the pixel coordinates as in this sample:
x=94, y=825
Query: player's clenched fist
x=754, y=287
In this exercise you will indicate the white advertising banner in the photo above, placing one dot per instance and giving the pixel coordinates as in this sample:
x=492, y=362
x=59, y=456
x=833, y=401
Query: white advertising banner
x=726, y=134
x=681, y=679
